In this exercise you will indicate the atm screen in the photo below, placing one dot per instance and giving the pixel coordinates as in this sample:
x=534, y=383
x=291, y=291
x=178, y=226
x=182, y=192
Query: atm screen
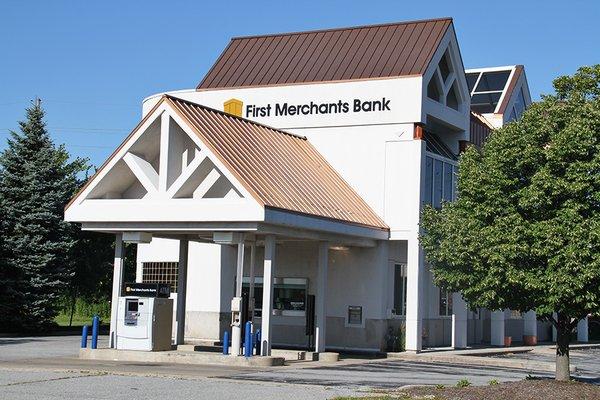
x=132, y=306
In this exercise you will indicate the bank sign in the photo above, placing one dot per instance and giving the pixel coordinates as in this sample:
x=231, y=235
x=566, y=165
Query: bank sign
x=287, y=109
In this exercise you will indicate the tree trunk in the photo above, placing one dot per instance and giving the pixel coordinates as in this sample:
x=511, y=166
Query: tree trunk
x=563, y=337
x=73, y=301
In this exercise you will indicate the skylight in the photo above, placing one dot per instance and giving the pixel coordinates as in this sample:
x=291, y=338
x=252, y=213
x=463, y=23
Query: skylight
x=486, y=88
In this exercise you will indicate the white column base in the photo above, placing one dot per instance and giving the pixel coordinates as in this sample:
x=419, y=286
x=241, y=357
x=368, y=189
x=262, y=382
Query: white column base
x=459, y=322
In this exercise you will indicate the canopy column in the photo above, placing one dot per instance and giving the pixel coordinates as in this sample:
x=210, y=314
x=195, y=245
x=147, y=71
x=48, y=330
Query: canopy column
x=582, y=330
x=181, y=291
x=267, y=303
x=116, y=288
x=497, y=328
x=251, y=284
x=321, y=298
x=236, y=329
x=415, y=293
x=530, y=327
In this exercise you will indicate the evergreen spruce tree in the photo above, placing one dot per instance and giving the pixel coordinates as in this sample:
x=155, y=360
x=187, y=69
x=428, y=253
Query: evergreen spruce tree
x=36, y=181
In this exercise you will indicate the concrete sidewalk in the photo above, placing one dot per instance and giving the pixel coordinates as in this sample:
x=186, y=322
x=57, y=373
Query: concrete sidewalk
x=493, y=357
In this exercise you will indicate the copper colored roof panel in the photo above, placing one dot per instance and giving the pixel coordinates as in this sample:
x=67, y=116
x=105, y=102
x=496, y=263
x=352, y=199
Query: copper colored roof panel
x=375, y=51
x=282, y=170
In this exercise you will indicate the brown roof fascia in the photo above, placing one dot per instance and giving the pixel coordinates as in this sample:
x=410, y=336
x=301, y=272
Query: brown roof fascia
x=519, y=69
x=383, y=227
x=199, y=89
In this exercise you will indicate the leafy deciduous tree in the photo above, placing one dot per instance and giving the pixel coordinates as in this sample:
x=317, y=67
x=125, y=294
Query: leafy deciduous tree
x=524, y=232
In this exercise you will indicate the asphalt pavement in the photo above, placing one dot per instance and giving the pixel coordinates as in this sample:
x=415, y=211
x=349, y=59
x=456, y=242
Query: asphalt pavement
x=48, y=368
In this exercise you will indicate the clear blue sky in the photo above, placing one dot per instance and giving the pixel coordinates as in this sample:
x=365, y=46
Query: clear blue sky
x=93, y=62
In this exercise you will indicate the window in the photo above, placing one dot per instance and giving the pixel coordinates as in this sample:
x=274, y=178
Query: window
x=472, y=80
x=161, y=272
x=448, y=187
x=354, y=315
x=437, y=183
x=445, y=303
x=485, y=103
x=400, y=281
x=440, y=181
x=486, y=89
x=493, y=81
x=289, y=294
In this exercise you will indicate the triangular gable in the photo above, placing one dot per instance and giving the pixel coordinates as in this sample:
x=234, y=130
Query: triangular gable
x=161, y=161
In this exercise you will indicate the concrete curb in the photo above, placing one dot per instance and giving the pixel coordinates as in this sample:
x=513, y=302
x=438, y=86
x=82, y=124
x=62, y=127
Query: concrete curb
x=527, y=365
x=179, y=357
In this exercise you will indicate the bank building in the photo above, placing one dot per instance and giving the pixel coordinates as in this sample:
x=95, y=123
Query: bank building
x=291, y=181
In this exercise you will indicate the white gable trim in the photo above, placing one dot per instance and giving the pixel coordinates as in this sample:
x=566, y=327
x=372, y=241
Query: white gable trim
x=158, y=206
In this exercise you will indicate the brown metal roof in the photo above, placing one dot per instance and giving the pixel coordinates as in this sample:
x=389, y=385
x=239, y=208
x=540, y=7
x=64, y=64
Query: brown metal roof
x=375, y=51
x=280, y=169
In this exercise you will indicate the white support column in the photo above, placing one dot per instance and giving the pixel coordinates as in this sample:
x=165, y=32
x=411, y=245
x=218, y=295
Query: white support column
x=497, y=328
x=116, y=289
x=530, y=324
x=251, y=285
x=236, y=330
x=459, y=322
x=321, y=297
x=267, y=303
x=582, y=330
x=181, y=292
x=414, y=290
x=554, y=332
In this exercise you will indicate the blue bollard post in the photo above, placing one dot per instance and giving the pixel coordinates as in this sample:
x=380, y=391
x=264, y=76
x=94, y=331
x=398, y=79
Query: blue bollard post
x=226, y=343
x=248, y=340
x=84, y=334
x=258, y=342
x=95, y=327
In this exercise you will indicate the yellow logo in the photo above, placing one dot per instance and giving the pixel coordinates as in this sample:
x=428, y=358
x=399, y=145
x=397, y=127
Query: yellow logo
x=233, y=107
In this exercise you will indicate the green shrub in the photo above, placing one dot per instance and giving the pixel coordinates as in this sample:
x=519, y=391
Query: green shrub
x=494, y=382
x=439, y=386
x=463, y=383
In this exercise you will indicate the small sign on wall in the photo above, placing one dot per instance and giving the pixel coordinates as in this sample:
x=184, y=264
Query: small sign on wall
x=354, y=315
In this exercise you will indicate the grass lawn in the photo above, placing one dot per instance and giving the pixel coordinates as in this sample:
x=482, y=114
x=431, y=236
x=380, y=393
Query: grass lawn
x=78, y=320
x=543, y=389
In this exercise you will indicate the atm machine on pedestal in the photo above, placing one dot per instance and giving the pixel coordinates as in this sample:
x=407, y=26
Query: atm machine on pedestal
x=145, y=317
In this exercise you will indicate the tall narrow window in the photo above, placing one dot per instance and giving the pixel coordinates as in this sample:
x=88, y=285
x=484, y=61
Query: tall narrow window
x=437, y=183
x=428, y=180
x=445, y=309
x=400, y=281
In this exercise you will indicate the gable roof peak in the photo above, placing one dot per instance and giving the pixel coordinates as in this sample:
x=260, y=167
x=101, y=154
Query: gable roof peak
x=342, y=54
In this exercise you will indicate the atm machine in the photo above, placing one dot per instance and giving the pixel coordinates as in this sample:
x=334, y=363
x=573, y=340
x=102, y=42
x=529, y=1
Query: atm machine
x=144, y=317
